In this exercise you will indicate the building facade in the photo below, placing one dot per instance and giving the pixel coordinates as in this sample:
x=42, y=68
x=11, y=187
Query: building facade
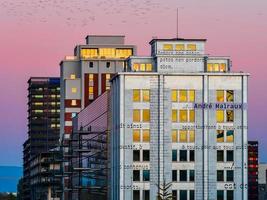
x=179, y=117
x=253, y=170
x=262, y=177
x=43, y=125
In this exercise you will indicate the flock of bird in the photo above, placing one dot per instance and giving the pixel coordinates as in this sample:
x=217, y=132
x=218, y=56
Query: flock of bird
x=81, y=12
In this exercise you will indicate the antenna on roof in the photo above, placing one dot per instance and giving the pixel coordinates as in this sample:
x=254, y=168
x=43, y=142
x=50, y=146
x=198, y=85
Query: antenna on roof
x=177, y=23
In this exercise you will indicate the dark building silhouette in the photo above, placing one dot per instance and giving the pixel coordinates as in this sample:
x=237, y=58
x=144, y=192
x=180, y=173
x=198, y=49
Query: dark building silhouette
x=253, y=170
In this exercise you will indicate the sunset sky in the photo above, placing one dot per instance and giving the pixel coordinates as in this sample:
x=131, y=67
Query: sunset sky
x=37, y=34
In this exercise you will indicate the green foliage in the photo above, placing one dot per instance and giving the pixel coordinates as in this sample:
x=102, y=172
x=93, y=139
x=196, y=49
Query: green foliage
x=164, y=193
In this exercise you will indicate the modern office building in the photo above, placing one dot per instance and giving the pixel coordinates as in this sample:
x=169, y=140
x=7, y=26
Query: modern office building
x=179, y=117
x=43, y=125
x=253, y=170
x=262, y=177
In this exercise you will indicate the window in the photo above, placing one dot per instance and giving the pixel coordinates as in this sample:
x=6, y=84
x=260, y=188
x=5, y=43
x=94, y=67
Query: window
x=229, y=136
x=136, y=195
x=174, y=175
x=146, y=175
x=174, y=194
x=183, y=96
x=174, y=155
x=167, y=47
x=136, y=155
x=146, y=115
x=230, y=175
x=192, y=175
x=174, y=115
x=73, y=102
x=174, y=95
x=136, y=175
x=146, y=195
x=191, y=116
x=107, y=52
x=220, y=156
x=91, y=92
x=74, y=90
x=183, y=175
x=220, y=95
x=229, y=95
x=191, y=95
x=149, y=67
x=136, y=67
x=136, y=96
x=183, y=155
x=220, y=116
x=230, y=195
x=192, y=195
x=183, y=115
x=220, y=135
x=183, y=136
x=72, y=76
x=143, y=67
x=230, y=155
x=146, y=135
x=136, y=135
x=191, y=47
x=123, y=53
x=220, y=195
x=91, y=64
x=146, y=95
x=220, y=175
x=191, y=136
x=229, y=115
x=174, y=136
x=183, y=195
x=192, y=155
x=108, y=64
x=179, y=47
x=146, y=156
x=136, y=115
x=88, y=53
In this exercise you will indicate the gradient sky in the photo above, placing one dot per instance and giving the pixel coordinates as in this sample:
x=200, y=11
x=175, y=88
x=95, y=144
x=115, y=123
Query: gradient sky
x=36, y=34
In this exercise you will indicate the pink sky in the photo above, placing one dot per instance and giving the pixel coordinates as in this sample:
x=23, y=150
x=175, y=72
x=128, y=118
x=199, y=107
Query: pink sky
x=36, y=35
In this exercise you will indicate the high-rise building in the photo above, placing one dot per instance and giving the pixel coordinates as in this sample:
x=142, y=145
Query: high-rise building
x=179, y=118
x=253, y=170
x=43, y=126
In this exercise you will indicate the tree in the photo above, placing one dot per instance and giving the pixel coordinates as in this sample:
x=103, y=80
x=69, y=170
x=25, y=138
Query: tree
x=163, y=193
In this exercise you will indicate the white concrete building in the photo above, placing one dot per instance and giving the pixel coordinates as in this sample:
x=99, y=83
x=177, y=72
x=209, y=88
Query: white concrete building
x=179, y=116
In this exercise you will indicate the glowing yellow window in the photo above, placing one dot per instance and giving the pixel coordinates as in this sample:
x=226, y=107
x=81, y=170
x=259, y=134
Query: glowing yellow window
x=142, y=67
x=182, y=95
x=220, y=116
x=191, y=95
x=191, y=136
x=174, y=115
x=210, y=67
x=136, y=95
x=183, y=136
x=149, y=67
x=230, y=136
x=146, y=95
x=222, y=67
x=191, y=115
x=216, y=67
x=174, y=95
x=91, y=90
x=91, y=77
x=39, y=104
x=73, y=102
x=136, y=135
x=174, y=136
x=136, y=115
x=167, y=47
x=146, y=135
x=220, y=136
x=107, y=76
x=146, y=115
x=72, y=76
x=107, y=52
x=74, y=90
x=183, y=115
x=136, y=67
x=229, y=95
x=191, y=47
x=220, y=95
x=179, y=47
x=229, y=115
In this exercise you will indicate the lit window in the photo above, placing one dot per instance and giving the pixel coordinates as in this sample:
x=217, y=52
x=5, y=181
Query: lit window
x=146, y=135
x=191, y=116
x=91, y=77
x=88, y=53
x=220, y=95
x=220, y=136
x=136, y=115
x=149, y=67
x=136, y=67
x=167, y=47
x=191, y=47
x=142, y=67
x=183, y=115
x=182, y=95
x=174, y=95
x=146, y=95
x=179, y=47
x=182, y=136
x=136, y=95
x=191, y=136
x=210, y=67
x=107, y=52
x=229, y=136
x=146, y=115
x=74, y=90
x=174, y=115
x=72, y=76
x=229, y=95
x=174, y=136
x=136, y=135
x=220, y=116
x=222, y=67
x=73, y=102
x=229, y=115
x=91, y=92
x=123, y=53
x=216, y=67
x=191, y=95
